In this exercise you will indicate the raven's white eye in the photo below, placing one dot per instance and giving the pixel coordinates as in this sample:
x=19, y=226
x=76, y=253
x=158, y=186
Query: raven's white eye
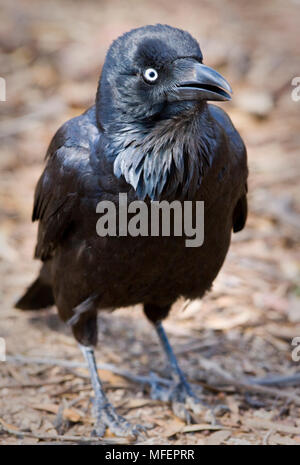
x=150, y=75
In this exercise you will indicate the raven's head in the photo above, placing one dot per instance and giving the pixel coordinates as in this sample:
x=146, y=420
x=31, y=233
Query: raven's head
x=151, y=71
x=150, y=103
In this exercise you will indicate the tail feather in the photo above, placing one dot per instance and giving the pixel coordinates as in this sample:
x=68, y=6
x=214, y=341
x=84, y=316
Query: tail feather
x=39, y=295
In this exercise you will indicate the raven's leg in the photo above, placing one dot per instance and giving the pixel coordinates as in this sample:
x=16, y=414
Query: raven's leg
x=106, y=416
x=177, y=373
x=180, y=394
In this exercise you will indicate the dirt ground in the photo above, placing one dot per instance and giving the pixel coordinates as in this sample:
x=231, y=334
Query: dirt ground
x=51, y=56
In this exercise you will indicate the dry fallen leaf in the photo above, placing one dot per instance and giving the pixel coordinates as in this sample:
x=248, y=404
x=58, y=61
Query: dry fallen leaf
x=173, y=427
x=201, y=427
x=219, y=437
x=111, y=378
x=8, y=425
x=137, y=403
x=52, y=408
x=70, y=414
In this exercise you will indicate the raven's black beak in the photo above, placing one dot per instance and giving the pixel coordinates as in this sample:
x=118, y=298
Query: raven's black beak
x=196, y=81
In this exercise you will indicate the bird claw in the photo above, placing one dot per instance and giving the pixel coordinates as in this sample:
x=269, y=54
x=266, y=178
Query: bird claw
x=182, y=398
x=107, y=417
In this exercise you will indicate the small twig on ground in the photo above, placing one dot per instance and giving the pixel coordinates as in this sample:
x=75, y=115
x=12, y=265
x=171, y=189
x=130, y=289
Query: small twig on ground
x=246, y=385
x=52, y=382
x=277, y=380
x=267, y=437
x=60, y=438
x=23, y=360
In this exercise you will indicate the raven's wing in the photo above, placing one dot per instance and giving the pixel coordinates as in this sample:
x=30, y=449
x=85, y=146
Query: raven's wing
x=63, y=183
x=239, y=216
x=55, y=199
x=238, y=155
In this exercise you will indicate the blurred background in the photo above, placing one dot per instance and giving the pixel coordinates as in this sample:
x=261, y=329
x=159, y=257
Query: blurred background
x=51, y=57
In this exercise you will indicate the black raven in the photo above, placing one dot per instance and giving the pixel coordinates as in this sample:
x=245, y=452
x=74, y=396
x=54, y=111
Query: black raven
x=151, y=135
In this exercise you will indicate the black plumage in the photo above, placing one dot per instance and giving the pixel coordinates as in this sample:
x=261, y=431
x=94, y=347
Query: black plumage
x=154, y=140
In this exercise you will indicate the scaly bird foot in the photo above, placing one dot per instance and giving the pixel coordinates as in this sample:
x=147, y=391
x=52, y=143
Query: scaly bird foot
x=107, y=417
x=182, y=398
